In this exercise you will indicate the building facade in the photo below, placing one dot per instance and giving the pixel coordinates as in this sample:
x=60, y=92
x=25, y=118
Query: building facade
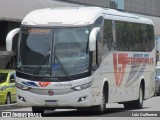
x=147, y=7
x=144, y=8
x=11, y=14
x=13, y=11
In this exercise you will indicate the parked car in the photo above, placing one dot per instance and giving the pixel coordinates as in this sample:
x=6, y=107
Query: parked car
x=7, y=86
x=157, y=81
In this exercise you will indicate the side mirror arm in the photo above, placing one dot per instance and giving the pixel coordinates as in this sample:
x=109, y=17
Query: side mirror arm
x=9, y=38
x=92, y=38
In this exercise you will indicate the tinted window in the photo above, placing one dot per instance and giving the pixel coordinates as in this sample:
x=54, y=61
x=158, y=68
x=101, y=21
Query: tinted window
x=98, y=22
x=157, y=72
x=12, y=79
x=108, y=36
x=134, y=37
x=3, y=77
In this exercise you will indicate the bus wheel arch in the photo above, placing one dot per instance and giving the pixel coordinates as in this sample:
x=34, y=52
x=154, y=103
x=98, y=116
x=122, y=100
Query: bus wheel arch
x=137, y=104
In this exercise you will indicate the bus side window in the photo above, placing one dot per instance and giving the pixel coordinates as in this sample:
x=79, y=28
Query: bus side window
x=94, y=60
x=107, y=36
x=150, y=38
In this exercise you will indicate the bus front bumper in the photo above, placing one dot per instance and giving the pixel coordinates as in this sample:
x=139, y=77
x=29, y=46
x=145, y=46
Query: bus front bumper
x=81, y=98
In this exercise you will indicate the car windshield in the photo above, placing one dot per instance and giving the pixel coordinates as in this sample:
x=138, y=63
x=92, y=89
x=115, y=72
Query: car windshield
x=157, y=72
x=3, y=77
x=54, y=52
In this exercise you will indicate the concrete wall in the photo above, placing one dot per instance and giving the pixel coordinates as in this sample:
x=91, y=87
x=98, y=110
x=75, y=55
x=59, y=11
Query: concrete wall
x=17, y=9
x=102, y=3
x=148, y=7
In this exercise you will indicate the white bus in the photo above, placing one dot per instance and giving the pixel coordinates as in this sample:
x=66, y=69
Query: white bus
x=84, y=57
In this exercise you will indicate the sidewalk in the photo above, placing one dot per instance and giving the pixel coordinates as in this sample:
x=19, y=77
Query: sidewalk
x=9, y=107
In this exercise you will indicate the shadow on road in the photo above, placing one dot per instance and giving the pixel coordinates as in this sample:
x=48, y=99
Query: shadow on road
x=110, y=112
x=74, y=113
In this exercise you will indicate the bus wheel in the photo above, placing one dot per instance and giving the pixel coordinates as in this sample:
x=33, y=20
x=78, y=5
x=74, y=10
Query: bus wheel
x=8, y=99
x=137, y=104
x=100, y=109
x=38, y=110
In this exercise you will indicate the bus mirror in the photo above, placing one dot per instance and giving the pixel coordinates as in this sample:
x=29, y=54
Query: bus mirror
x=9, y=38
x=92, y=38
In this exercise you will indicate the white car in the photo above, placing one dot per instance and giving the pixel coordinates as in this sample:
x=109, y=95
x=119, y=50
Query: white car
x=157, y=81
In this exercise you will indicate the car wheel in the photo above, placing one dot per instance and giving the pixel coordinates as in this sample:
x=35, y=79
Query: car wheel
x=8, y=99
x=158, y=94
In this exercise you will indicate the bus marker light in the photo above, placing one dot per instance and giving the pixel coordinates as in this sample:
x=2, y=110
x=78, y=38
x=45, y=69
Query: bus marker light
x=82, y=98
x=21, y=98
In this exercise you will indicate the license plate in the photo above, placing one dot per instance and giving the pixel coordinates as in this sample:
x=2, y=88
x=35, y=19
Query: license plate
x=51, y=103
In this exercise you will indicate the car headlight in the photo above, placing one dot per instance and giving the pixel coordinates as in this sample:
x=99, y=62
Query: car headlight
x=2, y=88
x=22, y=87
x=81, y=87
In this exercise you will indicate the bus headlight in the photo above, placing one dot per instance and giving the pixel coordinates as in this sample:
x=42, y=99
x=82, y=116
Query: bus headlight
x=22, y=87
x=81, y=87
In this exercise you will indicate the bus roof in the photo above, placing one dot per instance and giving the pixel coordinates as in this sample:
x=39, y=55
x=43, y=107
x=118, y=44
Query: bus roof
x=77, y=16
x=122, y=16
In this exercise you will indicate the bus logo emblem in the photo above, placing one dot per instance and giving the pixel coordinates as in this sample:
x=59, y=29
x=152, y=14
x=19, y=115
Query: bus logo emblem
x=50, y=92
x=44, y=84
x=119, y=64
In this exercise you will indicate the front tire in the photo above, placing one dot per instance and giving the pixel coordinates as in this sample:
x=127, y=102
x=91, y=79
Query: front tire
x=102, y=106
x=100, y=109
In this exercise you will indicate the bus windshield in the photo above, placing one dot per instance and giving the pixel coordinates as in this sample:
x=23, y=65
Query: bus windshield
x=53, y=52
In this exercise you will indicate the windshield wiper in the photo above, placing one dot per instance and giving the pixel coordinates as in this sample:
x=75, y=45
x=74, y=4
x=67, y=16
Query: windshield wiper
x=45, y=59
x=60, y=63
x=62, y=67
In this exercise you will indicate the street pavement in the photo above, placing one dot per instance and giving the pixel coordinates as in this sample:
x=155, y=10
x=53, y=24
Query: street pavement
x=113, y=112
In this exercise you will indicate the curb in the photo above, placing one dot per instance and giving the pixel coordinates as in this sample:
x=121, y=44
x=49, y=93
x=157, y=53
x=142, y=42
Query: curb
x=10, y=107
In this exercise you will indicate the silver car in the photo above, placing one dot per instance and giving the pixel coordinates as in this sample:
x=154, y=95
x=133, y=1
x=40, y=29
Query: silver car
x=157, y=81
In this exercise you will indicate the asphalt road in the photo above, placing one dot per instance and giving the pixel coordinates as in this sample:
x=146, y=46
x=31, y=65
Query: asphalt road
x=113, y=111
